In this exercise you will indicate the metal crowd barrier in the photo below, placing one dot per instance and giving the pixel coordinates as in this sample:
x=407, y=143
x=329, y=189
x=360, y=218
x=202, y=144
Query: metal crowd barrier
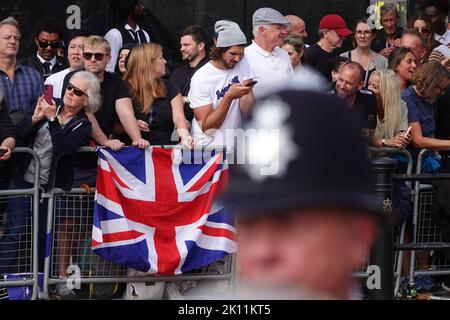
x=69, y=229
x=25, y=271
x=399, y=232
x=426, y=232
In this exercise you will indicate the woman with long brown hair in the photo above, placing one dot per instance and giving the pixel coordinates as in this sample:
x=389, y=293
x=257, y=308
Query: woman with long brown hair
x=157, y=103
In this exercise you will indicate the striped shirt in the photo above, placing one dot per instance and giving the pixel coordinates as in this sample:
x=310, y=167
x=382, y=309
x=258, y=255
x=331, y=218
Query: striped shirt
x=24, y=91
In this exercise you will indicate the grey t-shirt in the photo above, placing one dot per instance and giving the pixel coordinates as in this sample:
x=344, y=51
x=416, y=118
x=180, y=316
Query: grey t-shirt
x=44, y=148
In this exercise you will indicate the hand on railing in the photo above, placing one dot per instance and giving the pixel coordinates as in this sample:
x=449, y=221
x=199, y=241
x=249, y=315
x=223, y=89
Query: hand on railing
x=141, y=143
x=114, y=144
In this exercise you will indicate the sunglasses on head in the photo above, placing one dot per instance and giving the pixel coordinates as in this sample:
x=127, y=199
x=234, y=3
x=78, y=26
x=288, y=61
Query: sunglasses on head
x=76, y=91
x=45, y=44
x=97, y=56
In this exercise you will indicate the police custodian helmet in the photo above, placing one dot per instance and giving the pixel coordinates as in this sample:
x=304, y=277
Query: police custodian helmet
x=306, y=150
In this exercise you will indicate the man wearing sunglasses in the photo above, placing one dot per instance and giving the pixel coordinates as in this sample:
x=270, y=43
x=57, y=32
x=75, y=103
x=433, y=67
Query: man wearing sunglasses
x=47, y=39
x=116, y=109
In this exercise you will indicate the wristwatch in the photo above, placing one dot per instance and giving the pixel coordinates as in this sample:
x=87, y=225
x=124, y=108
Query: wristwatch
x=383, y=142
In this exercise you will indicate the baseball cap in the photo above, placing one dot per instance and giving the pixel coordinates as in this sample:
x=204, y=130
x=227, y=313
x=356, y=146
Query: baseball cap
x=264, y=16
x=320, y=158
x=336, y=23
x=229, y=34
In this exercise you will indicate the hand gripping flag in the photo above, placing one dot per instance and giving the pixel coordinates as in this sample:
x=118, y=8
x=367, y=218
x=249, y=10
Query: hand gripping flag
x=155, y=212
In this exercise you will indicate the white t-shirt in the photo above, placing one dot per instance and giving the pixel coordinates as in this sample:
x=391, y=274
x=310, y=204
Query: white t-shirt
x=114, y=37
x=57, y=81
x=208, y=86
x=272, y=69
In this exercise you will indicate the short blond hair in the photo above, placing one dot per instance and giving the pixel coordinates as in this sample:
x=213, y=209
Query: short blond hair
x=96, y=42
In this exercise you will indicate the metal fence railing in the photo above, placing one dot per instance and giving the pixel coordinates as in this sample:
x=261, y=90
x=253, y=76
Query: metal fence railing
x=69, y=231
x=18, y=238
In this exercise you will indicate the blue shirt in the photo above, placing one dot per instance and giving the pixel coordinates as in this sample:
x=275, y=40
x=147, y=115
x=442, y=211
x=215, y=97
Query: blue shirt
x=24, y=91
x=420, y=111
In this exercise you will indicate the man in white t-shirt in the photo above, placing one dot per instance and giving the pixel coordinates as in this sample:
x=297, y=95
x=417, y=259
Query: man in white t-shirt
x=270, y=63
x=76, y=62
x=221, y=91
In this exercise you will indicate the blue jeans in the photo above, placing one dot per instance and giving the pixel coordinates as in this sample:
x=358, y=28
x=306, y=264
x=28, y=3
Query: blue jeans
x=19, y=209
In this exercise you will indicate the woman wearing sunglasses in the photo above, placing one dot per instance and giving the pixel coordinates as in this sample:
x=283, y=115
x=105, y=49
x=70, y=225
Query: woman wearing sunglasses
x=157, y=103
x=420, y=22
x=54, y=133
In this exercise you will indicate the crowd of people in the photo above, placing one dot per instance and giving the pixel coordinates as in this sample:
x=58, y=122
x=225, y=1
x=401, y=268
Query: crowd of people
x=116, y=90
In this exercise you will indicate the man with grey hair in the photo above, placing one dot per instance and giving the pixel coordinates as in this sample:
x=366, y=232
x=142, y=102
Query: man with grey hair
x=221, y=91
x=332, y=30
x=270, y=63
x=21, y=86
x=384, y=42
x=412, y=39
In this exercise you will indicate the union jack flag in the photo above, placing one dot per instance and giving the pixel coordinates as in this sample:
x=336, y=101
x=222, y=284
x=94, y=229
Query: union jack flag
x=155, y=212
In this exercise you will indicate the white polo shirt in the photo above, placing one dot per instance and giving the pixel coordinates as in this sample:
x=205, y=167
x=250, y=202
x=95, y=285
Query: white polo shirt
x=208, y=86
x=272, y=69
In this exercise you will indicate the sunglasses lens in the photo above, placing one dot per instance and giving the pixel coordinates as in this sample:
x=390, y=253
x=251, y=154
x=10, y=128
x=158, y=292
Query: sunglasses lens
x=44, y=45
x=97, y=56
x=76, y=91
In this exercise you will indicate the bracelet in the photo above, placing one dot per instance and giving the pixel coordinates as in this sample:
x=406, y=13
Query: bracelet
x=383, y=142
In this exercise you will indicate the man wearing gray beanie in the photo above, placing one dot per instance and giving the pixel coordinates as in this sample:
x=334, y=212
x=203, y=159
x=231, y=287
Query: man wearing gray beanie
x=221, y=90
x=270, y=63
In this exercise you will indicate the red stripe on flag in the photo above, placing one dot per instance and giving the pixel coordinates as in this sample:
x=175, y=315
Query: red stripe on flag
x=121, y=236
x=218, y=232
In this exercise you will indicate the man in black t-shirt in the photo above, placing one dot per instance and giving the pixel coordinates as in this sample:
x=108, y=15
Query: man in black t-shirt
x=333, y=31
x=194, y=44
x=116, y=104
x=349, y=86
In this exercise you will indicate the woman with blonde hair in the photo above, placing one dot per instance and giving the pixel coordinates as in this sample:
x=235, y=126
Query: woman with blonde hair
x=392, y=114
x=157, y=103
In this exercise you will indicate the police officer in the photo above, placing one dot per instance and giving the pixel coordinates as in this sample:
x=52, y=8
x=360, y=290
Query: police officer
x=305, y=221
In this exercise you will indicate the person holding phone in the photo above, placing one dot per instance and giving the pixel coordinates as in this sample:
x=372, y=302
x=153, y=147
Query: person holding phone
x=392, y=114
x=54, y=133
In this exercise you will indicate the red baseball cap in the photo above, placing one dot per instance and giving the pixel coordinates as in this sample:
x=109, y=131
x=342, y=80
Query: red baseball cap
x=336, y=23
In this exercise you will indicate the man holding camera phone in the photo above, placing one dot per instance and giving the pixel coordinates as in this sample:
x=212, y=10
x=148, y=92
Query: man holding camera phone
x=220, y=94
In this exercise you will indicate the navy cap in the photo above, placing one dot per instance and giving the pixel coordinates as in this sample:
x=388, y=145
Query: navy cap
x=316, y=157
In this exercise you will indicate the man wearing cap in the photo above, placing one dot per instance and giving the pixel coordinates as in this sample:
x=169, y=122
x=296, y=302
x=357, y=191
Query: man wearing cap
x=332, y=32
x=133, y=11
x=304, y=228
x=219, y=95
x=271, y=64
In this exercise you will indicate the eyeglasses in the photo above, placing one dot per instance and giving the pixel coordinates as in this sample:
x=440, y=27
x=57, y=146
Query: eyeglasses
x=363, y=32
x=423, y=30
x=45, y=44
x=152, y=117
x=76, y=91
x=98, y=56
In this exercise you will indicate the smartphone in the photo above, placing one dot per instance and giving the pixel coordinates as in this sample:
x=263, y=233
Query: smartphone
x=251, y=83
x=407, y=131
x=2, y=152
x=48, y=93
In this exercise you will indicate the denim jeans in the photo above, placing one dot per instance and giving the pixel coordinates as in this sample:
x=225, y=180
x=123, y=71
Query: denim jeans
x=19, y=209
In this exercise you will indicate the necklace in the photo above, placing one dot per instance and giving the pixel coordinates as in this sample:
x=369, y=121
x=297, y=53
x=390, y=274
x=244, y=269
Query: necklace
x=369, y=61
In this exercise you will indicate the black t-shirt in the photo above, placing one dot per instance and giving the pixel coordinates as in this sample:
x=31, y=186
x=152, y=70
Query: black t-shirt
x=319, y=59
x=366, y=106
x=181, y=77
x=112, y=88
x=159, y=118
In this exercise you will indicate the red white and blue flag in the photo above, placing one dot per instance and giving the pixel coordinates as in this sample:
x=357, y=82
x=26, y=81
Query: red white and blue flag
x=155, y=212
